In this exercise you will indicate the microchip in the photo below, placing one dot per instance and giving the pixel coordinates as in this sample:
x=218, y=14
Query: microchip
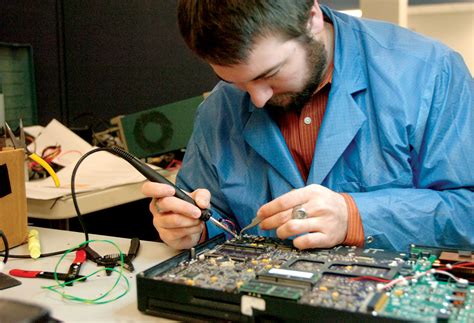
x=191, y=274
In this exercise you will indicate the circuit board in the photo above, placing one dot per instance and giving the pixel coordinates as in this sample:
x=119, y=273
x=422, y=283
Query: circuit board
x=257, y=278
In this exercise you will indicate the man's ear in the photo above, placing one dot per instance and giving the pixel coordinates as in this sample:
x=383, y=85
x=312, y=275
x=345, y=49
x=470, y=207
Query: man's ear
x=316, y=20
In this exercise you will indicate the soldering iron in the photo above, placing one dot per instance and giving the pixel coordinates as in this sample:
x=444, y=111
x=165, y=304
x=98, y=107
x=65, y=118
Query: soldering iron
x=153, y=176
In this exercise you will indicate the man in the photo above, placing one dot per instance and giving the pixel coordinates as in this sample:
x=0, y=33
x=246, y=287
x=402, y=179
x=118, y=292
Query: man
x=366, y=126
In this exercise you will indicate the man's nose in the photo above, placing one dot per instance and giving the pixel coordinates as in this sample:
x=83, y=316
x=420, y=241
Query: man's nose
x=259, y=93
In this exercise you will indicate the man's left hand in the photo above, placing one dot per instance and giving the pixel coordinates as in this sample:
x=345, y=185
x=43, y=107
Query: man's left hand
x=326, y=222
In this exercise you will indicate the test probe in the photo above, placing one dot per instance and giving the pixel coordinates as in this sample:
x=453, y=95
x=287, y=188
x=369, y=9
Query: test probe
x=153, y=176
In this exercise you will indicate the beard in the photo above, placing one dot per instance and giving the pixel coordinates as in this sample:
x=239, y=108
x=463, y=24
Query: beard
x=316, y=65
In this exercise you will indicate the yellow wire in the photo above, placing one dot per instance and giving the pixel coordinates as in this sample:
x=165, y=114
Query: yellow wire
x=46, y=166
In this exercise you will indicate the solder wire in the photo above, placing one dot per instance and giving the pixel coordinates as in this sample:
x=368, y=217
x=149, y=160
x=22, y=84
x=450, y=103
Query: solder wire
x=58, y=288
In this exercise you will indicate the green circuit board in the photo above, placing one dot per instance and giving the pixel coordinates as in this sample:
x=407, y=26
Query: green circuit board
x=424, y=284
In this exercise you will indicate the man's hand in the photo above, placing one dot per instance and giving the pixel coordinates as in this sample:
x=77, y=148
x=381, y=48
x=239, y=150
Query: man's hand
x=177, y=221
x=325, y=226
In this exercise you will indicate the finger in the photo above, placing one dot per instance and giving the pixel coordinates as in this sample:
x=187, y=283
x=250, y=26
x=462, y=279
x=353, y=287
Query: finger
x=157, y=190
x=202, y=197
x=186, y=242
x=173, y=221
x=170, y=235
x=296, y=227
x=313, y=240
x=283, y=217
x=178, y=206
x=275, y=221
x=285, y=202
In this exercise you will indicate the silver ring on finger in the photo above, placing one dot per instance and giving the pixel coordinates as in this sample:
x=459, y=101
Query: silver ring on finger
x=299, y=213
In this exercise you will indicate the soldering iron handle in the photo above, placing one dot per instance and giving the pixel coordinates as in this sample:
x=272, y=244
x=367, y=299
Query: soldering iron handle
x=154, y=176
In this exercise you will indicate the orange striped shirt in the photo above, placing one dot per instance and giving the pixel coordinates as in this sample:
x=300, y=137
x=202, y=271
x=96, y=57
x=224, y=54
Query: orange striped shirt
x=300, y=130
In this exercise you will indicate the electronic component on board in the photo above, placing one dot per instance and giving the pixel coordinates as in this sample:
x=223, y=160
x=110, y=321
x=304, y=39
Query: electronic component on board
x=220, y=279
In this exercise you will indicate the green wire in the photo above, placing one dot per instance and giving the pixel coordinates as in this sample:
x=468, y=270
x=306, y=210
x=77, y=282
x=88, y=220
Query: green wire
x=58, y=288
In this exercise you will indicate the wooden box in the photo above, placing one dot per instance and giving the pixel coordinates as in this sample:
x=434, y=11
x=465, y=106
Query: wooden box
x=13, y=213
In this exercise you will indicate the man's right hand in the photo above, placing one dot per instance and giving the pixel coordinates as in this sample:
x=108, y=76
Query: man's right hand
x=177, y=221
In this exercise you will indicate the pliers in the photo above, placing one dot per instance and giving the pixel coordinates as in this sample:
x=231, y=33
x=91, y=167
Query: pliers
x=113, y=260
x=69, y=277
x=21, y=143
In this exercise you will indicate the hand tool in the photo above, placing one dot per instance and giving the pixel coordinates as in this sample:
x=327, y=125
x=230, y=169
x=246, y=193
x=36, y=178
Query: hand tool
x=21, y=143
x=74, y=268
x=256, y=220
x=153, y=176
x=298, y=212
x=40, y=274
x=113, y=260
x=127, y=259
x=71, y=275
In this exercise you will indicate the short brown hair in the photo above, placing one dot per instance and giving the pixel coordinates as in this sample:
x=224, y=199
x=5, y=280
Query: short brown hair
x=222, y=32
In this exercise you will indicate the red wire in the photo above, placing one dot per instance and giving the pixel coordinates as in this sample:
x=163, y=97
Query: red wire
x=174, y=164
x=382, y=280
x=467, y=265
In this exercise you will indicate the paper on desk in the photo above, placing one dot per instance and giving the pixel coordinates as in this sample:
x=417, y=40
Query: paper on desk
x=98, y=171
x=56, y=134
x=33, y=131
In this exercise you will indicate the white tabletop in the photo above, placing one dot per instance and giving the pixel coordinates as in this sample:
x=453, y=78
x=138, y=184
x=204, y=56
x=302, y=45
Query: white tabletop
x=123, y=309
x=63, y=207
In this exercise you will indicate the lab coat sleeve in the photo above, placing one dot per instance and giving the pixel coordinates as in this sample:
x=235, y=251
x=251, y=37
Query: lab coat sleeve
x=439, y=210
x=199, y=172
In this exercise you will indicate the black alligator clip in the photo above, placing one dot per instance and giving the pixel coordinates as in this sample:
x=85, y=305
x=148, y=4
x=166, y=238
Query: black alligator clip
x=113, y=260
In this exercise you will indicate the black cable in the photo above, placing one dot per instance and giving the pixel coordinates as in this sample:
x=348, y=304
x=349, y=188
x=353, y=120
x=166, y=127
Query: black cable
x=117, y=152
x=43, y=255
x=132, y=160
x=5, y=244
x=76, y=207
x=73, y=191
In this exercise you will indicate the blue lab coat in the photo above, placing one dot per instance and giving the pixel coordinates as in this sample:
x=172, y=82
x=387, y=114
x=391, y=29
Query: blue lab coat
x=398, y=135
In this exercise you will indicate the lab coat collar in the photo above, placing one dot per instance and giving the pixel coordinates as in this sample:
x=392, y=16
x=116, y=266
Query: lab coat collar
x=264, y=136
x=343, y=117
x=349, y=67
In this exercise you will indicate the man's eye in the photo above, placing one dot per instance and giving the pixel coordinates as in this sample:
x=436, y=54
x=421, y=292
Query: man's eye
x=271, y=76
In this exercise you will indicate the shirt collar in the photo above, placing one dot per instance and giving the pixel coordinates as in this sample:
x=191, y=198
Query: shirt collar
x=327, y=79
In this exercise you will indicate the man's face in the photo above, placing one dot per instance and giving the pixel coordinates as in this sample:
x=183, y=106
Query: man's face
x=281, y=74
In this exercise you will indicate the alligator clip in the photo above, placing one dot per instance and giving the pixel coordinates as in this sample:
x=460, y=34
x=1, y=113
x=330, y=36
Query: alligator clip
x=127, y=259
x=113, y=260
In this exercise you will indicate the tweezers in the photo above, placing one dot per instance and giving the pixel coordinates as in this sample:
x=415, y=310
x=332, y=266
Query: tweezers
x=256, y=220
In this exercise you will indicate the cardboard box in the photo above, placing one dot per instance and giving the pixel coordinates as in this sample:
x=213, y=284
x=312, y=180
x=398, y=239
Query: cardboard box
x=13, y=213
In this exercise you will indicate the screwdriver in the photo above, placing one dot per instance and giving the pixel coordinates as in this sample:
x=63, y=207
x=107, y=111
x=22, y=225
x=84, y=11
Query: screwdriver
x=153, y=176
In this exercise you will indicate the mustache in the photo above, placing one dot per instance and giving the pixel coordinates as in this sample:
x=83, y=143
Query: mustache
x=292, y=100
x=282, y=97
